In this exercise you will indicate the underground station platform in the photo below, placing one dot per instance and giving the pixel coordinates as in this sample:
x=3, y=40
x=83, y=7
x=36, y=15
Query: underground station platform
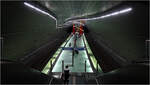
x=71, y=42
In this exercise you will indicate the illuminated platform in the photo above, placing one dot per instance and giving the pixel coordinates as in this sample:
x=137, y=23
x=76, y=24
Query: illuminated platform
x=79, y=59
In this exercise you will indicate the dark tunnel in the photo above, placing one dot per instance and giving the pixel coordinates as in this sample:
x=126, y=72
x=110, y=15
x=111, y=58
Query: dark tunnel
x=101, y=42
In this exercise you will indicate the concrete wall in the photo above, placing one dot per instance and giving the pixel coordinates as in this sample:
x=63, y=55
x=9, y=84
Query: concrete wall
x=25, y=30
x=124, y=34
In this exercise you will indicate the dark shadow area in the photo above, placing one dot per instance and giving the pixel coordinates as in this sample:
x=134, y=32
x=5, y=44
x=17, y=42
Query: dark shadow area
x=17, y=73
x=131, y=74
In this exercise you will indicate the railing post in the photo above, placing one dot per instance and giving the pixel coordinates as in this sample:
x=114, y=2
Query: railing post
x=97, y=66
x=85, y=65
x=72, y=59
x=51, y=66
x=62, y=66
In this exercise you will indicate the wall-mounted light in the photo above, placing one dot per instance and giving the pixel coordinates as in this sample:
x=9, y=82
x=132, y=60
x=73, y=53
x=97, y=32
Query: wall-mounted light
x=37, y=9
x=116, y=13
x=111, y=14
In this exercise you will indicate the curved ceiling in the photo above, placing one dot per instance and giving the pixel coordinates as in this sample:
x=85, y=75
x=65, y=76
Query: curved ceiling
x=72, y=9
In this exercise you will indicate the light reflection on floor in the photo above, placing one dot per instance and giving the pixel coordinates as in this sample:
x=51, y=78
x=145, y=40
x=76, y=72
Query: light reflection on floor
x=79, y=59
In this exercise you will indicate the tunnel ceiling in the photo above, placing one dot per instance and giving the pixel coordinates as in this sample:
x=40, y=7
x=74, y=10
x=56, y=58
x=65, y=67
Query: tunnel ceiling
x=72, y=9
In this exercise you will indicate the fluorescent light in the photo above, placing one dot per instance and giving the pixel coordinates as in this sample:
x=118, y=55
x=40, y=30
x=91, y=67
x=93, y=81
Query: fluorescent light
x=125, y=10
x=111, y=14
x=29, y=5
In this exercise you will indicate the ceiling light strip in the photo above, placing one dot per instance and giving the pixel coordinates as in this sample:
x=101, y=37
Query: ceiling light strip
x=111, y=14
x=29, y=5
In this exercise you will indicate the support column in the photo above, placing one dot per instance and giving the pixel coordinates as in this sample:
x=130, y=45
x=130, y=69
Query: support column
x=85, y=65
